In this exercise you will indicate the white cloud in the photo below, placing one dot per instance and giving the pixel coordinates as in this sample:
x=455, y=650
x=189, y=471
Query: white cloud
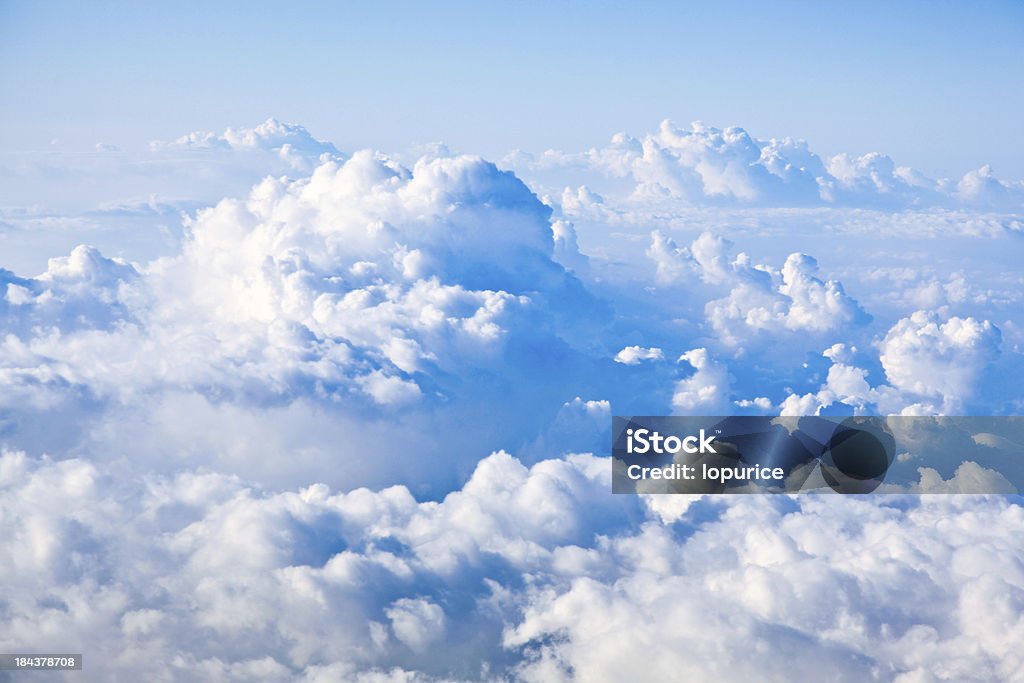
x=388, y=390
x=285, y=139
x=982, y=188
x=938, y=359
x=567, y=250
x=417, y=622
x=706, y=392
x=933, y=367
x=970, y=477
x=634, y=355
x=761, y=403
x=202, y=577
x=760, y=299
x=803, y=582
x=671, y=260
x=708, y=165
x=365, y=287
x=294, y=580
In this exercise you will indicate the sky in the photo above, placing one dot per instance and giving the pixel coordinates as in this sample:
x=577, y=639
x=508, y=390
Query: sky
x=314, y=318
x=908, y=78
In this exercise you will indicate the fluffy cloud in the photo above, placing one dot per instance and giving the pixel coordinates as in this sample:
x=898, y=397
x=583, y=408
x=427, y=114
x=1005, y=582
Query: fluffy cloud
x=81, y=290
x=708, y=165
x=933, y=366
x=671, y=261
x=939, y=360
x=760, y=299
x=634, y=355
x=523, y=573
x=706, y=392
x=803, y=578
x=198, y=574
x=285, y=139
x=366, y=282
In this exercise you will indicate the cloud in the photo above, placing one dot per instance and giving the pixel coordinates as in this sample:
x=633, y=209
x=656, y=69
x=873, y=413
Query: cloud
x=567, y=250
x=286, y=139
x=634, y=355
x=371, y=289
x=365, y=287
x=969, y=477
x=781, y=594
x=200, y=576
x=81, y=291
x=579, y=426
x=353, y=256
x=760, y=299
x=706, y=392
x=186, y=436
x=672, y=261
x=416, y=622
x=982, y=188
x=761, y=403
x=388, y=390
x=938, y=360
x=933, y=366
x=704, y=165
x=128, y=201
x=241, y=580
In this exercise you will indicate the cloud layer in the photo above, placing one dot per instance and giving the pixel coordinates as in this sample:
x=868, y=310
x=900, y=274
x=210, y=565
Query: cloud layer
x=263, y=455
x=524, y=573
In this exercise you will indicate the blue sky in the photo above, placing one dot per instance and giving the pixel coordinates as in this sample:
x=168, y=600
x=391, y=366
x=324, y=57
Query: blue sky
x=935, y=85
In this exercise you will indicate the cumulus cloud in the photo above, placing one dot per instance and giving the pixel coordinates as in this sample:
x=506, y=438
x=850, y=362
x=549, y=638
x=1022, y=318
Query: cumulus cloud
x=773, y=593
x=286, y=139
x=416, y=622
x=388, y=390
x=792, y=300
x=200, y=576
x=761, y=299
x=81, y=291
x=706, y=392
x=671, y=261
x=982, y=188
x=707, y=165
x=366, y=286
x=362, y=579
x=933, y=367
x=567, y=249
x=762, y=403
x=970, y=477
x=706, y=162
x=939, y=360
x=129, y=202
x=634, y=355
